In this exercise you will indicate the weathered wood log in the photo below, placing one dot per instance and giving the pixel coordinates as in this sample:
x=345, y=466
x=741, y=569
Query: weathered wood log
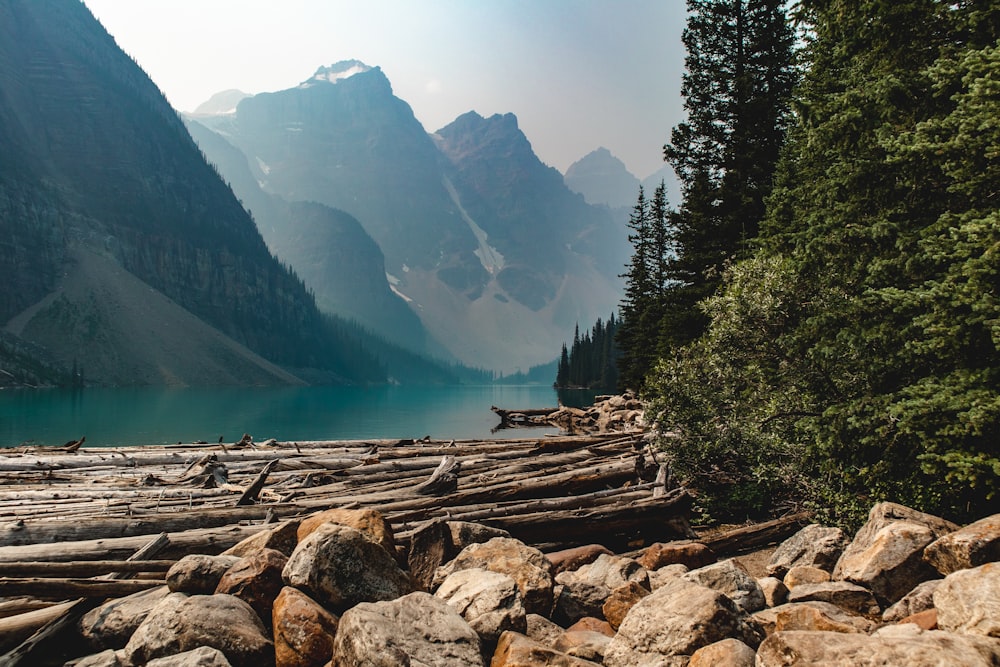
x=443, y=480
x=15, y=629
x=84, y=568
x=755, y=536
x=249, y=496
x=62, y=588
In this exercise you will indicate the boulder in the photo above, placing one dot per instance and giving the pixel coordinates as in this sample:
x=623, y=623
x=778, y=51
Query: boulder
x=583, y=592
x=972, y=546
x=886, y=555
x=586, y=644
x=303, y=630
x=464, y=533
x=283, y=537
x=577, y=600
x=256, y=579
x=968, y=601
x=543, y=630
x=592, y=624
x=925, y=620
x=575, y=558
x=621, y=600
x=106, y=658
x=729, y=652
x=673, y=622
x=112, y=624
x=180, y=623
x=814, y=615
x=731, y=578
x=774, y=590
x=198, y=574
x=893, y=645
x=370, y=522
x=659, y=577
x=843, y=594
x=431, y=546
x=203, y=656
x=527, y=566
x=919, y=599
x=339, y=567
x=814, y=546
x=688, y=553
x=804, y=574
x=516, y=650
x=490, y=602
x=416, y=629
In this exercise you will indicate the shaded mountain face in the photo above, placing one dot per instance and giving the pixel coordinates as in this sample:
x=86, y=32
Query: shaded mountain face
x=603, y=179
x=492, y=251
x=117, y=230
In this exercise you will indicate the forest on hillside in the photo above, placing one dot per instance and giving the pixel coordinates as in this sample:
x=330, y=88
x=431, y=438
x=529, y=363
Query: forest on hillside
x=816, y=323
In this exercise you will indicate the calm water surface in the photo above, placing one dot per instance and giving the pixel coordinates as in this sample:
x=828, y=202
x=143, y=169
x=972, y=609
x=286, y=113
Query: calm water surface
x=139, y=416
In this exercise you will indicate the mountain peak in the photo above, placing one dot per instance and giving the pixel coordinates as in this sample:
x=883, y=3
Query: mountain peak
x=602, y=179
x=222, y=103
x=338, y=71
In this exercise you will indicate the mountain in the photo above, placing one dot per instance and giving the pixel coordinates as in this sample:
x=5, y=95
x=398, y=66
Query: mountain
x=328, y=248
x=491, y=250
x=603, y=179
x=221, y=103
x=124, y=253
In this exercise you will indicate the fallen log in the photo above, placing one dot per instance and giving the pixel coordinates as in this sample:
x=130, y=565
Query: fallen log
x=62, y=588
x=84, y=568
x=758, y=535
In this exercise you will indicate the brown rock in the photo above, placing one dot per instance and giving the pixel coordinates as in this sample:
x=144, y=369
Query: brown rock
x=886, y=554
x=621, y=600
x=728, y=652
x=688, y=553
x=339, y=567
x=256, y=580
x=282, y=537
x=968, y=601
x=919, y=599
x=527, y=566
x=925, y=620
x=431, y=547
x=814, y=546
x=368, y=521
x=464, y=533
x=843, y=594
x=774, y=590
x=198, y=574
x=972, y=546
x=804, y=574
x=572, y=559
x=667, y=626
x=181, y=623
x=591, y=624
x=585, y=644
x=516, y=650
x=813, y=615
x=659, y=577
x=544, y=631
x=892, y=645
x=303, y=630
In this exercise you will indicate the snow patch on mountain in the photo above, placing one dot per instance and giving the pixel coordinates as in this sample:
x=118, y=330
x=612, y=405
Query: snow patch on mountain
x=489, y=256
x=345, y=69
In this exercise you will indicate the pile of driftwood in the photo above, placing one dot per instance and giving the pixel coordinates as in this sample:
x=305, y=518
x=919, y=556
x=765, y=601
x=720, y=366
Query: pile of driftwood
x=608, y=414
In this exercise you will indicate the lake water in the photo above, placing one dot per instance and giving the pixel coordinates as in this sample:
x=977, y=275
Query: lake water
x=140, y=416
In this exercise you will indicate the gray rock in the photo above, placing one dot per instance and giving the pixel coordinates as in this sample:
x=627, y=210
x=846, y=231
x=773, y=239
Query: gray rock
x=543, y=630
x=659, y=577
x=676, y=620
x=198, y=574
x=339, y=566
x=106, y=658
x=919, y=599
x=730, y=578
x=886, y=554
x=577, y=600
x=972, y=546
x=199, y=657
x=113, y=623
x=968, y=601
x=904, y=644
x=843, y=594
x=815, y=546
x=490, y=602
x=416, y=629
x=583, y=592
x=585, y=644
x=181, y=623
x=464, y=533
x=527, y=566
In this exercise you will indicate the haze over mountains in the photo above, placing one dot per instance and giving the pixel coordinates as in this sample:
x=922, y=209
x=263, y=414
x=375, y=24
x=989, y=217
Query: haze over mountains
x=130, y=259
x=486, y=244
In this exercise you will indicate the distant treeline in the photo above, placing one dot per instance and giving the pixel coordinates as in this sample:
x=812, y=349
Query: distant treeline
x=592, y=361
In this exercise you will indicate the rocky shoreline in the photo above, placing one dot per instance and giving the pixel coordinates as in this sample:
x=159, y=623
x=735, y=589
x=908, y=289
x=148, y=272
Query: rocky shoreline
x=335, y=589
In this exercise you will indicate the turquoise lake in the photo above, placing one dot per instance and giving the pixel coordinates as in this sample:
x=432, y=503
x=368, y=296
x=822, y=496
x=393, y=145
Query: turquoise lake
x=146, y=416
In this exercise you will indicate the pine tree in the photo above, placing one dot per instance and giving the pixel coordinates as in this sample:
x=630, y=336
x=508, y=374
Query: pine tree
x=635, y=335
x=737, y=86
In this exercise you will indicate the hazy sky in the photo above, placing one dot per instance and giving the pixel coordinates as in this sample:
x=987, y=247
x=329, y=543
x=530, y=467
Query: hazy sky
x=578, y=74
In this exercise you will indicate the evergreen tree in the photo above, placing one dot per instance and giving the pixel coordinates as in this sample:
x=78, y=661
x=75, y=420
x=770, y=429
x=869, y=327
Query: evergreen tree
x=737, y=85
x=635, y=337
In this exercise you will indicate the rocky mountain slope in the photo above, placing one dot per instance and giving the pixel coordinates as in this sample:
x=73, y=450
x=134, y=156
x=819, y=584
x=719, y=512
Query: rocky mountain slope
x=491, y=250
x=603, y=179
x=119, y=236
